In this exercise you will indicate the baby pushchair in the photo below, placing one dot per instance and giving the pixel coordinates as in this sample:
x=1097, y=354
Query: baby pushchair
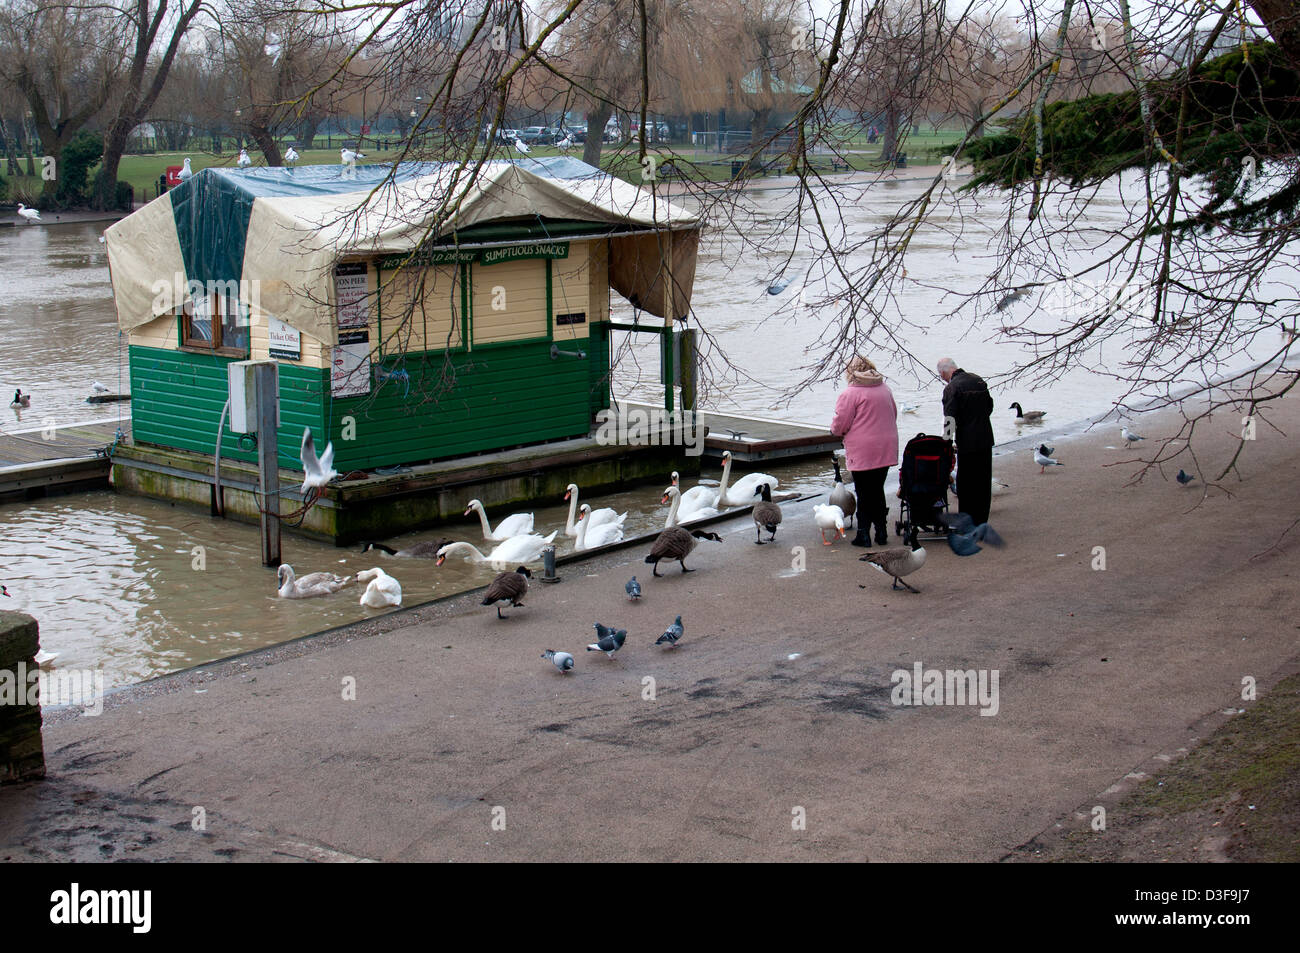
x=923, y=486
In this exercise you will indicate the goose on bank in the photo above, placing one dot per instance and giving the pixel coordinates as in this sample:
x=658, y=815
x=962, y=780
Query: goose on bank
x=898, y=562
x=767, y=515
x=676, y=543
x=507, y=589
x=840, y=495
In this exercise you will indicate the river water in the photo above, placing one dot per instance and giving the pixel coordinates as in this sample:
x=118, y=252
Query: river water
x=116, y=581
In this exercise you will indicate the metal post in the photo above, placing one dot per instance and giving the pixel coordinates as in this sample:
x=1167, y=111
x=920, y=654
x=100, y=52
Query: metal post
x=268, y=458
x=688, y=368
x=666, y=276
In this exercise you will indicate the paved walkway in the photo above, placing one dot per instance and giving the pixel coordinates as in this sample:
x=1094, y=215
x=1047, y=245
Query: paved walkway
x=462, y=744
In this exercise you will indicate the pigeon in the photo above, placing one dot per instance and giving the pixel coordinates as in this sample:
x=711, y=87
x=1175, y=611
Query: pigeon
x=291, y=156
x=243, y=161
x=562, y=660
x=1043, y=457
x=521, y=147
x=1012, y=297
x=98, y=388
x=1184, y=478
x=671, y=634
x=316, y=472
x=966, y=543
x=610, y=641
x=186, y=172
x=633, y=588
x=31, y=214
x=1130, y=437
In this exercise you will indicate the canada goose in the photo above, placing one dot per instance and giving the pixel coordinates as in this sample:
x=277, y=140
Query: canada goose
x=898, y=562
x=675, y=516
x=697, y=502
x=677, y=543
x=767, y=515
x=507, y=589
x=561, y=660
x=1043, y=457
x=516, y=524
x=308, y=586
x=316, y=471
x=591, y=537
x=21, y=399
x=516, y=549
x=828, y=516
x=743, y=492
x=603, y=515
x=383, y=590
x=1028, y=416
x=840, y=495
x=425, y=549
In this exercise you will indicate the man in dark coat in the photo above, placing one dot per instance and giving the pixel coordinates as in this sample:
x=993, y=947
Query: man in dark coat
x=966, y=400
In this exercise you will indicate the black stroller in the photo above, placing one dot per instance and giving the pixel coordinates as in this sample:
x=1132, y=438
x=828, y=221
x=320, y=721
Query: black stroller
x=923, y=481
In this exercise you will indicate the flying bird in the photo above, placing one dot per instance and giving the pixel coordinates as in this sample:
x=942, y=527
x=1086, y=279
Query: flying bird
x=507, y=589
x=966, y=542
x=316, y=471
x=1043, y=457
x=1012, y=297
x=633, y=588
x=776, y=287
x=186, y=172
x=1184, y=478
x=671, y=634
x=31, y=214
x=898, y=562
x=610, y=640
x=561, y=660
x=243, y=161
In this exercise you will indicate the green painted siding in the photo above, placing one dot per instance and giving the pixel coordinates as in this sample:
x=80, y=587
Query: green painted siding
x=503, y=396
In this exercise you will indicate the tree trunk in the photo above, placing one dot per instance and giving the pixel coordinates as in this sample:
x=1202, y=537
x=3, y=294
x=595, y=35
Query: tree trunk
x=596, y=119
x=889, y=145
x=266, y=142
x=103, y=196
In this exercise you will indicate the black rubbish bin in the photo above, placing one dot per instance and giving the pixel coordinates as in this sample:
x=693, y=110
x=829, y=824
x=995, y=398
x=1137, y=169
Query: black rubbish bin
x=736, y=167
x=900, y=161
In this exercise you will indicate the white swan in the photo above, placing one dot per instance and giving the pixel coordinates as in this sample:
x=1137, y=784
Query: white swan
x=517, y=549
x=596, y=517
x=697, y=502
x=308, y=586
x=589, y=537
x=675, y=517
x=516, y=524
x=742, y=494
x=383, y=590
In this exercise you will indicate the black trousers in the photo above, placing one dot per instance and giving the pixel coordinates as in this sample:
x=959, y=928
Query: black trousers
x=870, y=488
x=975, y=482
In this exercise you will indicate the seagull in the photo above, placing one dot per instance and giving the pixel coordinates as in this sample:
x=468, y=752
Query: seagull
x=102, y=240
x=1012, y=297
x=350, y=158
x=31, y=214
x=243, y=161
x=909, y=408
x=521, y=147
x=186, y=172
x=98, y=388
x=291, y=156
x=633, y=588
x=1184, y=478
x=316, y=471
x=562, y=660
x=44, y=659
x=671, y=634
x=1043, y=457
x=566, y=143
x=776, y=287
x=1130, y=437
x=610, y=641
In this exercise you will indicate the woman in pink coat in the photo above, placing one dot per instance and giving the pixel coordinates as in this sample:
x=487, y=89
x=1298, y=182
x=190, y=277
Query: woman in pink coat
x=867, y=419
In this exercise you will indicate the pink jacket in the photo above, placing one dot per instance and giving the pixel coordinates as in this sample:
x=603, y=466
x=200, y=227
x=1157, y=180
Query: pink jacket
x=867, y=419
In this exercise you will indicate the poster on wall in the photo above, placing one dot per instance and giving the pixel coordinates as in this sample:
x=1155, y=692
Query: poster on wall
x=283, y=341
x=351, y=292
x=350, y=365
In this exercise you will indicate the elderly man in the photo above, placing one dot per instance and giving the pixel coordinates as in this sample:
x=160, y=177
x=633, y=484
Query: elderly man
x=966, y=400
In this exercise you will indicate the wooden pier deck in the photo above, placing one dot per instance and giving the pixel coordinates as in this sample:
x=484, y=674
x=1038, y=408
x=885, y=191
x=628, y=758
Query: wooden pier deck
x=752, y=439
x=75, y=458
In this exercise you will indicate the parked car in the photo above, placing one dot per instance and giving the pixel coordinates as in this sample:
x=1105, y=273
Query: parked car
x=538, y=136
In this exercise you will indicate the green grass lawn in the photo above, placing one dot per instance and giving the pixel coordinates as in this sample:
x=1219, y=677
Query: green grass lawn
x=692, y=163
